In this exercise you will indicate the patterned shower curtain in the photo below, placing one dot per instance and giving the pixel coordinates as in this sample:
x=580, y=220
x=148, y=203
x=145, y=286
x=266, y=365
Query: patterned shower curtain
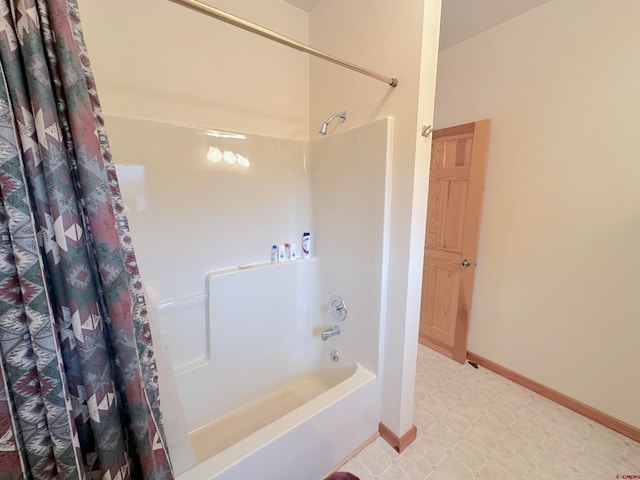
x=78, y=382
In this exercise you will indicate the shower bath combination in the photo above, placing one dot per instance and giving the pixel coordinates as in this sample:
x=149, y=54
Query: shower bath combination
x=341, y=115
x=277, y=387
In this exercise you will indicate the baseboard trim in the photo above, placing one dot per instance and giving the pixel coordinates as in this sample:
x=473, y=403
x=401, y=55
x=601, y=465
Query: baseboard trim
x=398, y=443
x=596, y=415
x=353, y=454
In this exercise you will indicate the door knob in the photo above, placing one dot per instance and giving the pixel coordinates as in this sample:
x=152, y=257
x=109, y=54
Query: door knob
x=465, y=263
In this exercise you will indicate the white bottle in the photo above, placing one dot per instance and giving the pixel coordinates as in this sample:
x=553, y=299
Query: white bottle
x=281, y=253
x=294, y=252
x=274, y=253
x=287, y=252
x=306, y=245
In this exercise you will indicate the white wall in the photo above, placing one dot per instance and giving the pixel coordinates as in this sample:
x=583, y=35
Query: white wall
x=387, y=37
x=557, y=277
x=160, y=61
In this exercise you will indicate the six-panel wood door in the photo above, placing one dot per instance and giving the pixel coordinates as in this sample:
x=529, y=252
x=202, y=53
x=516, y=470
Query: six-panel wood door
x=456, y=185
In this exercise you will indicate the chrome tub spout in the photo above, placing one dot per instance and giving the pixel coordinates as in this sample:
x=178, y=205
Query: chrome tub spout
x=330, y=332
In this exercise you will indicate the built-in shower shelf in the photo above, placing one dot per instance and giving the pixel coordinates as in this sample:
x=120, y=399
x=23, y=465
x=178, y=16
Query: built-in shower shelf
x=254, y=266
x=198, y=297
x=180, y=301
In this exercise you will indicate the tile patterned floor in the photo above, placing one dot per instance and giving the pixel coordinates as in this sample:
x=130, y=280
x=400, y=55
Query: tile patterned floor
x=475, y=424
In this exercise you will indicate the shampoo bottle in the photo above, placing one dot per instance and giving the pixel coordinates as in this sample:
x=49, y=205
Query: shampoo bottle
x=306, y=245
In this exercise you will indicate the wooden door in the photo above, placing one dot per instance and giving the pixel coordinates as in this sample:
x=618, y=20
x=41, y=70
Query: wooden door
x=456, y=185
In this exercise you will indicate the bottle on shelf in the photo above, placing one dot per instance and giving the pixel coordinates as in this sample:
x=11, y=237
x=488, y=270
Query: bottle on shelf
x=306, y=245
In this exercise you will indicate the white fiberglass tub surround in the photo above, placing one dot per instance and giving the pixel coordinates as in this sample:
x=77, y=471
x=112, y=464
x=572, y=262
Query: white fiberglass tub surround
x=269, y=388
x=261, y=396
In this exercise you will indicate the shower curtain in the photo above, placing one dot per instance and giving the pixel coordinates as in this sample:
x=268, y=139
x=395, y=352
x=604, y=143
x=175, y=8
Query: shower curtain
x=78, y=380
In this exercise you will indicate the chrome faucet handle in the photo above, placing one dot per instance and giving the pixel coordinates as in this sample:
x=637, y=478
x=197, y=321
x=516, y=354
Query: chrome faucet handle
x=338, y=308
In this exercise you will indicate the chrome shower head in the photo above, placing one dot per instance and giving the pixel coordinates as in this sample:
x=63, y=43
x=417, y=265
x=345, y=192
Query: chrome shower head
x=341, y=115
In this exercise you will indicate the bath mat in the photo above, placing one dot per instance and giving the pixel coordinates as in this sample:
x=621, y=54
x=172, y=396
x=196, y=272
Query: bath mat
x=342, y=476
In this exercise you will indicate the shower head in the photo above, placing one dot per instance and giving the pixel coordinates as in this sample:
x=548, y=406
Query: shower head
x=341, y=115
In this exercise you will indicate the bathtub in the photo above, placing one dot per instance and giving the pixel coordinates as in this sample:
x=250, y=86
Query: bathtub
x=302, y=437
x=247, y=419
x=263, y=398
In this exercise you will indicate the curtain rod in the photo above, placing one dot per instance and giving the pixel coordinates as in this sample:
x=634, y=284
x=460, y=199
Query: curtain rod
x=289, y=42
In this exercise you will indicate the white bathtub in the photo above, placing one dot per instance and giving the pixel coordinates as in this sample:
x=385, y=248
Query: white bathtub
x=247, y=419
x=263, y=400
x=304, y=443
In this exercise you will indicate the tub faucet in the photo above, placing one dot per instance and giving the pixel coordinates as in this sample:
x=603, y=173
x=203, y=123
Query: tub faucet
x=330, y=332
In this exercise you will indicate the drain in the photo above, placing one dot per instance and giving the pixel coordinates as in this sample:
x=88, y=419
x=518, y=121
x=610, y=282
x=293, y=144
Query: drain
x=335, y=356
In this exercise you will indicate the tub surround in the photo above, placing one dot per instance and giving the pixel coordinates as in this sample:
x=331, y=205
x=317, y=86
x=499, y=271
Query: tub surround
x=350, y=182
x=253, y=331
x=204, y=199
x=261, y=332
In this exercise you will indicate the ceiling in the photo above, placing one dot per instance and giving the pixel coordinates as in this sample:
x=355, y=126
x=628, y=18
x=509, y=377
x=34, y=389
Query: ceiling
x=462, y=19
x=303, y=4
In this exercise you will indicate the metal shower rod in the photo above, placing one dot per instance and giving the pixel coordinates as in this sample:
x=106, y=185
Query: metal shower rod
x=270, y=34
